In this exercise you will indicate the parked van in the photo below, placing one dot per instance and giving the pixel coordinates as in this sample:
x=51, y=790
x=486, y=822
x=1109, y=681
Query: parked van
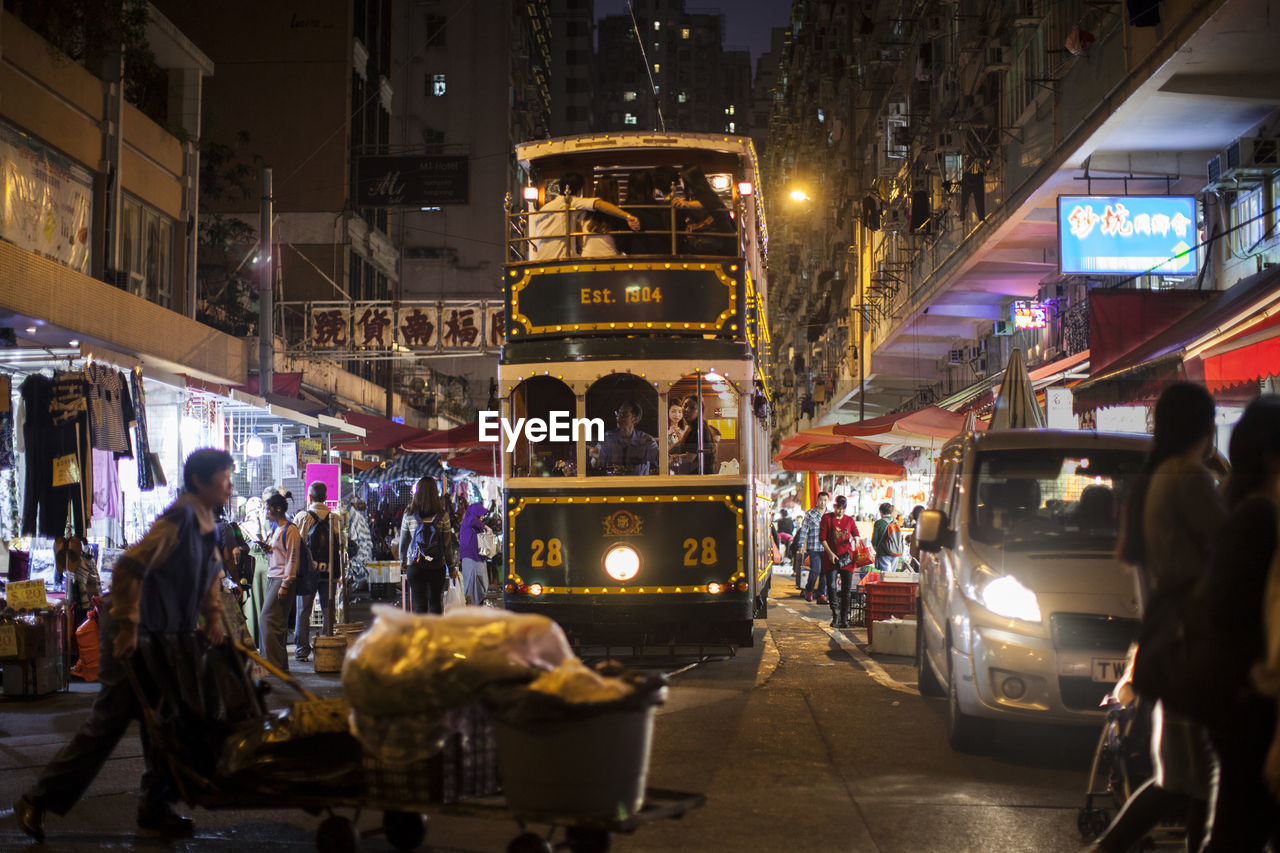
x=1024, y=611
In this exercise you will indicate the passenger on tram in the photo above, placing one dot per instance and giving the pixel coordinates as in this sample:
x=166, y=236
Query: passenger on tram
x=685, y=457
x=625, y=450
x=710, y=230
x=654, y=237
x=598, y=242
x=666, y=181
x=552, y=227
x=675, y=424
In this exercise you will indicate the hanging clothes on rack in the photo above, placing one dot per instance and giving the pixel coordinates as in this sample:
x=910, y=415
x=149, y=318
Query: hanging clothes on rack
x=55, y=434
x=110, y=409
x=7, y=435
x=146, y=480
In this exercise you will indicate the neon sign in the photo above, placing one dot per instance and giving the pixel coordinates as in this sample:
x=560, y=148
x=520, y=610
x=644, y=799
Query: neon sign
x=1029, y=315
x=1127, y=235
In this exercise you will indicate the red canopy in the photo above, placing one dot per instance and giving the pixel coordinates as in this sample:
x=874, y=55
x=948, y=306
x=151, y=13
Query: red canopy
x=817, y=435
x=380, y=433
x=1246, y=357
x=482, y=460
x=463, y=437
x=923, y=427
x=843, y=458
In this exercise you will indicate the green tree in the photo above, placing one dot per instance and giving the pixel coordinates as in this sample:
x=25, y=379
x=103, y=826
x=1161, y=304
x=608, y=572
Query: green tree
x=228, y=298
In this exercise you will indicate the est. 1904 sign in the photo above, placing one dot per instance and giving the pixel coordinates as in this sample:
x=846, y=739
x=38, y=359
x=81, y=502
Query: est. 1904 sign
x=671, y=298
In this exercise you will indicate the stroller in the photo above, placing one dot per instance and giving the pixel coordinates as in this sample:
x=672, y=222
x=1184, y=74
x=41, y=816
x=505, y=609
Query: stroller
x=1121, y=763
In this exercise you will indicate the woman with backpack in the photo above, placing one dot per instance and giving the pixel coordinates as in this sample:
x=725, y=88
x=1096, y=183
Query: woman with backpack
x=424, y=546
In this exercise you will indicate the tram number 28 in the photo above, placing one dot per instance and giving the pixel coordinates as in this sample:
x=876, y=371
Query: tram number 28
x=546, y=553
x=700, y=552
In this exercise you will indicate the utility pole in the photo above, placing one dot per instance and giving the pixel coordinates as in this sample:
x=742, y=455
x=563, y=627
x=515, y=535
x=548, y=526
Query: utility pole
x=266, y=292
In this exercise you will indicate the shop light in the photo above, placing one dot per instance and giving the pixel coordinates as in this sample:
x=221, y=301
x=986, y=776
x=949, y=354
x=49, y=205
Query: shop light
x=720, y=183
x=31, y=330
x=253, y=447
x=745, y=188
x=530, y=194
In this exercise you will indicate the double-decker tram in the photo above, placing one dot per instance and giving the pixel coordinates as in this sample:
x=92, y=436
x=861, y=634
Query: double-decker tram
x=637, y=490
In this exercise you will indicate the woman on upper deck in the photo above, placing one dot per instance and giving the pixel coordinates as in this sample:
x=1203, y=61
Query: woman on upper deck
x=711, y=229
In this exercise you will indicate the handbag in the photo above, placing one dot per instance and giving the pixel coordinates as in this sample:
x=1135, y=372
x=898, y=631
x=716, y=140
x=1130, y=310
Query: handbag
x=843, y=560
x=1178, y=661
x=487, y=544
x=862, y=555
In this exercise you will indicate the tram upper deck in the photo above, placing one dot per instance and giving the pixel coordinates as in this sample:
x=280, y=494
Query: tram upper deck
x=687, y=261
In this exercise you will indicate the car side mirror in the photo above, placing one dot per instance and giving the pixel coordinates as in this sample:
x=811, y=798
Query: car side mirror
x=932, y=531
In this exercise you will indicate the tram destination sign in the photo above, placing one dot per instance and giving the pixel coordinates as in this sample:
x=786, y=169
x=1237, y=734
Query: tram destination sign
x=412, y=181
x=671, y=298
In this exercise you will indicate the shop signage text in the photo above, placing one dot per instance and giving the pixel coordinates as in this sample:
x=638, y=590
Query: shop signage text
x=1127, y=235
x=411, y=181
x=448, y=325
x=1029, y=315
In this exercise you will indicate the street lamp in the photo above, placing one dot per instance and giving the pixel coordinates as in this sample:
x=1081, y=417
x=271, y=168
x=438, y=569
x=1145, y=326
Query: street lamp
x=799, y=195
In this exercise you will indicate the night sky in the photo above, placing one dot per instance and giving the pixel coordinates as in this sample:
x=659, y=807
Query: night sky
x=746, y=22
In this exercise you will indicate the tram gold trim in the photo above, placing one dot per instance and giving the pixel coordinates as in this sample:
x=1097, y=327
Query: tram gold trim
x=515, y=506
x=530, y=272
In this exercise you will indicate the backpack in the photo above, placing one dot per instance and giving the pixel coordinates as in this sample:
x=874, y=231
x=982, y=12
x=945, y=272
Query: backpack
x=893, y=541
x=308, y=578
x=318, y=539
x=427, y=547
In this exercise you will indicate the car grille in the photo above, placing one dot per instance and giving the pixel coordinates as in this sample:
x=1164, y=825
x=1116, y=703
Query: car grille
x=1082, y=694
x=1092, y=632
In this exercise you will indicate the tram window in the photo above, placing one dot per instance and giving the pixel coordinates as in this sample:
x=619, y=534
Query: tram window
x=538, y=398
x=715, y=402
x=630, y=443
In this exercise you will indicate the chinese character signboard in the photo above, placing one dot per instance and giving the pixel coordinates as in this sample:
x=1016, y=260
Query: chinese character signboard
x=494, y=319
x=418, y=326
x=329, y=325
x=1127, y=235
x=411, y=181
x=1029, y=315
x=460, y=325
x=373, y=322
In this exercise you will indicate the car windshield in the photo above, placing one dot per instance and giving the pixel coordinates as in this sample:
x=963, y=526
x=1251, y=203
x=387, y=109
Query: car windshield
x=1041, y=498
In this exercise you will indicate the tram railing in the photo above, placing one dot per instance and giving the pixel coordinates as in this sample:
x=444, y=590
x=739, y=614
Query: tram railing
x=676, y=241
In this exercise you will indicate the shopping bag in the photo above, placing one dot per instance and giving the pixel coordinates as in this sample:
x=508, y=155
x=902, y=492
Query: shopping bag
x=453, y=595
x=862, y=555
x=487, y=544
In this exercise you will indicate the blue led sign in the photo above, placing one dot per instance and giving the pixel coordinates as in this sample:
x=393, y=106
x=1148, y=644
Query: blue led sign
x=1127, y=235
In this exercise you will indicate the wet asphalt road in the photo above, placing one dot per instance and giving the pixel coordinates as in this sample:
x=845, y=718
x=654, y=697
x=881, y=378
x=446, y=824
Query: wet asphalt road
x=803, y=742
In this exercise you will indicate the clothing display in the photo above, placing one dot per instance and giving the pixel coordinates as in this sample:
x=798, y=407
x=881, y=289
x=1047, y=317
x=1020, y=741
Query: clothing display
x=110, y=409
x=973, y=185
x=146, y=480
x=7, y=436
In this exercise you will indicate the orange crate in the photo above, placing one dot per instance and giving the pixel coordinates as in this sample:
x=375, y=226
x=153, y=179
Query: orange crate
x=889, y=599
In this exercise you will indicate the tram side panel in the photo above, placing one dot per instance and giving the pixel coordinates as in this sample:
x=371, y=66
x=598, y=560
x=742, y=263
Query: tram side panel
x=648, y=569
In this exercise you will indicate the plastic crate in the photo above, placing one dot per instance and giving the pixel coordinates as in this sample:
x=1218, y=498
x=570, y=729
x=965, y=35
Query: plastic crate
x=466, y=766
x=889, y=599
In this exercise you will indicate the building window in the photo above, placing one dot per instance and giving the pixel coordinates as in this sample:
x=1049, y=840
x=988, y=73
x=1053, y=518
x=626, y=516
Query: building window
x=629, y=118
x=684, y=32
x=576, y=113
x=731, y=127
x=657, y=67
x=146, y=252
x=576, y=57
x=435, y=85
x=628, y=95
x=681, y=97
x=657, y=25
x=577, y=28
x=1247, y=219
x=435, y=30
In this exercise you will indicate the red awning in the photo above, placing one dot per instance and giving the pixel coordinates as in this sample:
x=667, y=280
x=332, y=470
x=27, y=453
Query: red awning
x=463, y=437
x=843, y=458
x=816, y=435
x=380, y=433
x=923, y=427
x=482, y=460
x=1247, y=357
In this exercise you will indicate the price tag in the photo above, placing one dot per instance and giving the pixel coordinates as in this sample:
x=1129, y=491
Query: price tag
x=26, y=595
x=8, y=640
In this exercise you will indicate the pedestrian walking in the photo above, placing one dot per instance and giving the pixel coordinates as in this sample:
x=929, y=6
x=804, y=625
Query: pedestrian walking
x=475, y=574
x=837, y=532
x=809, y=549
x=425, y=532
x=886, y=539
x=162, y=585
x=322, y=536
x=1173, y=513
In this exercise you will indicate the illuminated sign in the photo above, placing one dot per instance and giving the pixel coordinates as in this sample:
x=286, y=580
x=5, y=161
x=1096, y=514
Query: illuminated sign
x=1127, y=235
x=1029, y=315
x=616, y=298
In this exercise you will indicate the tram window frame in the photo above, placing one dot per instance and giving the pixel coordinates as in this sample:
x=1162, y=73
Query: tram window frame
x=557, y=458
x=681, y=390
x=604, y=398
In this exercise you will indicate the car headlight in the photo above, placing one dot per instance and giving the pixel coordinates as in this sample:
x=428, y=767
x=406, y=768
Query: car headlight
x=622, y=563
x=1005, y=596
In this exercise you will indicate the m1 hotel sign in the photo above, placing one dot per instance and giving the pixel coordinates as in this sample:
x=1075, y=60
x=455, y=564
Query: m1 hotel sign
x=1127, y=235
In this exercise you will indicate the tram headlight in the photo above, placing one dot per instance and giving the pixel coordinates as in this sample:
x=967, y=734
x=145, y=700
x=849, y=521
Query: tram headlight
x=622, y=563
x=715, y=588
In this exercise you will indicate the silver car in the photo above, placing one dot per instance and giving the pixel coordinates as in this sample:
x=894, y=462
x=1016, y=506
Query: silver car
x=1024, y=611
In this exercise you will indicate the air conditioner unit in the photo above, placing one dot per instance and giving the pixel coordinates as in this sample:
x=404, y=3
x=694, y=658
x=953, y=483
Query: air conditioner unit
x=137, y=284
x=1254, y=152
x=1002, y=328
x=895, y=218
x=896, y=109
x=1026, y=13
x=1215, y=167
x=946, y=141
x=997, y=58
x=974, y=352
x=955, y=356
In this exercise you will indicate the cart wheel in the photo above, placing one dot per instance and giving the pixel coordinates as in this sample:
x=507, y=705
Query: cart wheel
x=529, y=842
x=1092, y=822
x=337, y=834
x=405, y=830
x=585, y=839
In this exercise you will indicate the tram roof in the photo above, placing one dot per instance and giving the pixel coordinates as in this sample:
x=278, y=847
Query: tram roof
x=594, y=143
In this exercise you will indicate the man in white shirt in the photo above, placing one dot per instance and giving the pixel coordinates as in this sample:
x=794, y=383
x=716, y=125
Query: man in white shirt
x=556, y=221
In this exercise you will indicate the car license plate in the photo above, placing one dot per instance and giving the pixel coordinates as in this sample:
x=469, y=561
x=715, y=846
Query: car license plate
x=1108, y=669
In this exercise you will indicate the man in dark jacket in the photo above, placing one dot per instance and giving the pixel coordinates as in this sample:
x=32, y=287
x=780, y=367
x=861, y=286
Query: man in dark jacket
x=162, y=585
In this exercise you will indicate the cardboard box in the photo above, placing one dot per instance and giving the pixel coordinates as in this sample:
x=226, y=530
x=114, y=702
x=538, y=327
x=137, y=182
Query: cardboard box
x=894, y=637
x=35, y=678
